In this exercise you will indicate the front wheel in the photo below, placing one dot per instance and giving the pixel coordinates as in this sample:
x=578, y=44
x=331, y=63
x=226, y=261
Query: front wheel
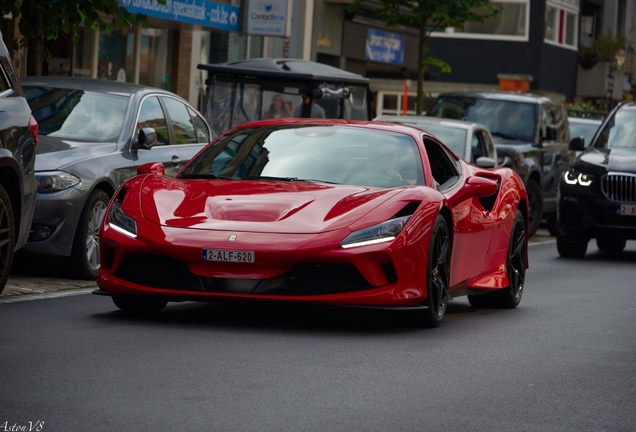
x=568, y=248
x=84, y=259
x=7, y=237
x=510, y=297
x=611, y=244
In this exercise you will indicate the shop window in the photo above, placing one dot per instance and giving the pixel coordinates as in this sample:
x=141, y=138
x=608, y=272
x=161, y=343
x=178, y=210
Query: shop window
x=156, y=58
x=561, y=23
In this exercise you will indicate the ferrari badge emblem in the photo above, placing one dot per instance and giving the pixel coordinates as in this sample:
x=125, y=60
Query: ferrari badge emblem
x=232, y=238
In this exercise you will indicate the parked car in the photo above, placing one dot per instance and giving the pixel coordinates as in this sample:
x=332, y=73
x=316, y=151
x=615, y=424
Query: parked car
x=597, y=195
x=93, y=135
x=583, y=127
x=531, y=135
x=18, y=141
x=470, y=141
x=319, y=212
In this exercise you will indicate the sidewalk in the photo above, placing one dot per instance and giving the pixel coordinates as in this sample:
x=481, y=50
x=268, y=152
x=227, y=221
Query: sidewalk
x=23, y=282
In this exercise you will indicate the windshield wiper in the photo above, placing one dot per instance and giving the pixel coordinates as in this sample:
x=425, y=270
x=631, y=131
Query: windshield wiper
x=204, y=176
x=505, y=136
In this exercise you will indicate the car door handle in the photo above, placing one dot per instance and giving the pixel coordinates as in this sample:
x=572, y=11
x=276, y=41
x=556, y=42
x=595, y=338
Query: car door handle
x=176, y=161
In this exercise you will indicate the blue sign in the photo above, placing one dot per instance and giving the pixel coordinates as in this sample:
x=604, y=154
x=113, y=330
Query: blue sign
x=384, y=47
x=198, y=12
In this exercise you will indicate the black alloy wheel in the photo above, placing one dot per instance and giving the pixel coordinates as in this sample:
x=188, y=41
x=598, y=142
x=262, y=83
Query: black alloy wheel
x=7, y=237
x=611, y=244
x=535, y=207
x=571, y=248
x=140, y=306
x=509, y=298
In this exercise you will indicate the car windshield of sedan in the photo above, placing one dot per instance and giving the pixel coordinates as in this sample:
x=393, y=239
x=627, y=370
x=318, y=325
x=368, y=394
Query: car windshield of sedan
x=619, y=132
x=455, y=139
x=329, y=154
x=75, y=114
x=504, y=119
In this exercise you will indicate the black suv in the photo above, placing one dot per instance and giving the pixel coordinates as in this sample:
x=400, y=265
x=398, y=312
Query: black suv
x=597, y=195
x=531, y=135
x=18, y=138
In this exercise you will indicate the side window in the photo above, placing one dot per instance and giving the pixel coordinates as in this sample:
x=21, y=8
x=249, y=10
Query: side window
x=181, y=121
x=489, y=147
x=561, y=121
x=477, y=147
x=151, y=115
x=443, y=165
x=203, y=133
x=5, y=84
x=547, y=119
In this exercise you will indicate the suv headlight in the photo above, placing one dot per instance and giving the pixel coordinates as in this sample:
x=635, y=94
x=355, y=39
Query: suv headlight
x=386, y=231
x=573, y=177
x=120, y=221
x=55, y=181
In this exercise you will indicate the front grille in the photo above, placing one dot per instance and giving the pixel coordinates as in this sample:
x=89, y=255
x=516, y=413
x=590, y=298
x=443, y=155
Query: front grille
x=619, y=187
x=157, y=271
x=316, y=279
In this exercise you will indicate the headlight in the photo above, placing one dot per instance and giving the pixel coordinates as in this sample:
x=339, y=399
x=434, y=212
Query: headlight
x=572, y=177
x=55, y=181
x=386, y=231
x=121, y=222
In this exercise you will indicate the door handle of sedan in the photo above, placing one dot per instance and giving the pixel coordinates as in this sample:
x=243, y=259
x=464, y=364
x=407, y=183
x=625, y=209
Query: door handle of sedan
x=176, y=161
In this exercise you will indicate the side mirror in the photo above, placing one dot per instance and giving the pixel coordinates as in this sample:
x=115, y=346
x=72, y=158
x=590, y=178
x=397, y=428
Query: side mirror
x=476, y=187
x=485, y=162
x=577, y=144
x=155, y=168
x=146, y=138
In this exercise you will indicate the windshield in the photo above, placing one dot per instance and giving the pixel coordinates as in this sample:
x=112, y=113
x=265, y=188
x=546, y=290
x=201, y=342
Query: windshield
x=455, y=139
x=504, y=119
x=76, y=114
x=331, y=154
x=619, y=132
x=586, y=130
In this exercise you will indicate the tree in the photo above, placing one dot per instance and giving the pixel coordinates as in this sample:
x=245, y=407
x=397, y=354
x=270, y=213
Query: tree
x=41, y=20
x=428, y=15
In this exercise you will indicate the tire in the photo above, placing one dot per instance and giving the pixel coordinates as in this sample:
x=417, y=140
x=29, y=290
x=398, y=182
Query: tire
x=84, y=260
x=552, y=224
x=568, y=248
x=509, y=298
x=7, y=237
x=141, y=306
x=535, y=207
x=437, y=280
x=611, y=244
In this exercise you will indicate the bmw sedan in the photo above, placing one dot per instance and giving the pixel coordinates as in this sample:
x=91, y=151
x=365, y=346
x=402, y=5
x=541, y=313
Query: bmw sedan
x=93, y=134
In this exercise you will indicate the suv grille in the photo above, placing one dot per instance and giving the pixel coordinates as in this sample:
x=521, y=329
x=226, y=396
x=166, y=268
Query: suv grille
x=620, y=187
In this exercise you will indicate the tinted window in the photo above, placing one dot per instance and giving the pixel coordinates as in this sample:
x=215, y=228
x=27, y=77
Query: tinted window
x=203, y=133
x=76, y=114
x=477, y=147
x=586, y=130
x=151, y=116
x=619, y=131
x=181, y=121
x=4, y=82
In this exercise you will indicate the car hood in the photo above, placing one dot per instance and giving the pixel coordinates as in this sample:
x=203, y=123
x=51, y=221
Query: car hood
x=599, y=161
x=55, y=153
x=257, y=206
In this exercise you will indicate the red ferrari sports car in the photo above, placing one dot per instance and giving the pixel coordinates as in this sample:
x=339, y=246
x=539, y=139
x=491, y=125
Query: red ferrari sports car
x=337, y=212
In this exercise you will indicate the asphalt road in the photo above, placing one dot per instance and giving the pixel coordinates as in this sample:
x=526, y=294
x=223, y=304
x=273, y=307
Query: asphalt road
x=565, y=360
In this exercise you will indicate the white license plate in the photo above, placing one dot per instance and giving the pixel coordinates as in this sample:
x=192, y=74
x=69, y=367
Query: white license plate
x=227, y=255
x=626, y=209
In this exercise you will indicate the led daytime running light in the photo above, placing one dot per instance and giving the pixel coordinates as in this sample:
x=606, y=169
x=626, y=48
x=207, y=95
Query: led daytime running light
x=121, y=222
x=384, y=232
x=571, y=178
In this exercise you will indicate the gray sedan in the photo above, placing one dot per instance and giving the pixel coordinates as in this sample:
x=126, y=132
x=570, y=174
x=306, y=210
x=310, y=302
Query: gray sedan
x=93, y=134
x=470, y=141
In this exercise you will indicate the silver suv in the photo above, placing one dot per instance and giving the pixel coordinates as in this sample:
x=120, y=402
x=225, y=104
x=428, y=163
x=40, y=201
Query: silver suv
x=18, y=139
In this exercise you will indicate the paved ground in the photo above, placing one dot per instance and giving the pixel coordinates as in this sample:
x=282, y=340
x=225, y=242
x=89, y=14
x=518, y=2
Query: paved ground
x=29, y=281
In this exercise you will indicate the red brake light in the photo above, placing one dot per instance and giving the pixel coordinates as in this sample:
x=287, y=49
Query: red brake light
x=33, y=125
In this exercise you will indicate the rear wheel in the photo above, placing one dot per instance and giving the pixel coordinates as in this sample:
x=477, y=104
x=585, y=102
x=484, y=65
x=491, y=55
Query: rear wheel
x=84, y=259
x=7, y=237
x=535, y=207
x=569, y=248
x=135, y=305
x=437, y=281
x=611, y=244
x=515, y=268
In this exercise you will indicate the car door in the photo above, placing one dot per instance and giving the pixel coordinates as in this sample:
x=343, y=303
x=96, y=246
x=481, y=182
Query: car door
x=151, y=115
x=555, y=153
x=191, y=132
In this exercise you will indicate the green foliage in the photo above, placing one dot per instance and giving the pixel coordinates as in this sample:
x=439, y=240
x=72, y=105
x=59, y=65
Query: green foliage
x=583, y=109
x=47, y=19
x=608, y=46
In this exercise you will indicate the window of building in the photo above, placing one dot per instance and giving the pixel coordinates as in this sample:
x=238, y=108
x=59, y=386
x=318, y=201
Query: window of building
x=561, y=23
x=511, y=24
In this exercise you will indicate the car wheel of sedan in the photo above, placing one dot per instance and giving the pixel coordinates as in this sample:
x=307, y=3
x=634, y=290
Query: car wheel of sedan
x=135, y=305
x=7, y=237
x=611, y=244
x=515, y=268
x=535, y=211
x=570, y=248
x=84, y=260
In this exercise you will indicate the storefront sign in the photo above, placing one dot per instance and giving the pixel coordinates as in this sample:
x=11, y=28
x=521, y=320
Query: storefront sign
x=269, y=18
x=384, y=47
x=198, y=12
